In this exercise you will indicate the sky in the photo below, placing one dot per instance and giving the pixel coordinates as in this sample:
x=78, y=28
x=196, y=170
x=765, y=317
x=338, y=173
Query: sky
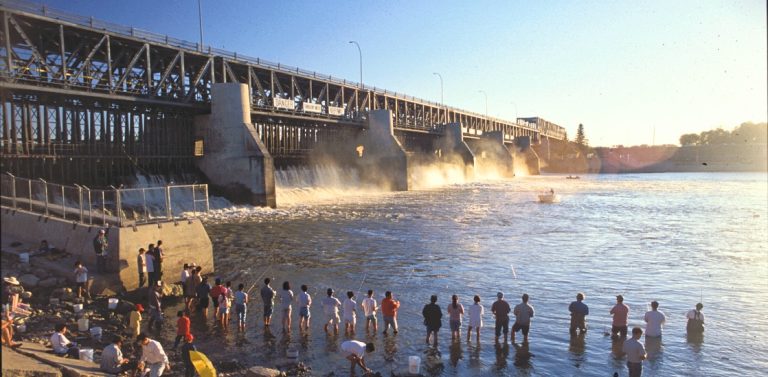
x=631, y=72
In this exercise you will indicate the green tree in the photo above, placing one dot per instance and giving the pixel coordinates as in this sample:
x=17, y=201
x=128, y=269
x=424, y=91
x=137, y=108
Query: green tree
x=689, y=139
x=580, y=139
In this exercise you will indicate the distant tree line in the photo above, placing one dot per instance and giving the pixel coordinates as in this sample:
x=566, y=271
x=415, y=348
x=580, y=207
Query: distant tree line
x=746, y=133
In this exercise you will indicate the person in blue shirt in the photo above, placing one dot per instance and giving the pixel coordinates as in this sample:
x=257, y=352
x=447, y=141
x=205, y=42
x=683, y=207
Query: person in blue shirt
x=579, y=312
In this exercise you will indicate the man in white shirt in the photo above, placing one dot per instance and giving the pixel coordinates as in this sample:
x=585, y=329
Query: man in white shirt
x=635, y=352
x=112, y=360
x=655, y=320
x=152, y=356
x=354, y=351
x=369, y=309
x=61, y=345
x=331, y=310
x=349, y=313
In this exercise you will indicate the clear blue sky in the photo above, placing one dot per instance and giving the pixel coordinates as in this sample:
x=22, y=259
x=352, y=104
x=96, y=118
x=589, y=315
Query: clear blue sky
x=619, y=67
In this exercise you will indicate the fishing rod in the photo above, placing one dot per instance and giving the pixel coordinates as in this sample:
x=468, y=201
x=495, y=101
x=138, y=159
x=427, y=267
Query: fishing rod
x=361, y=284
x=257, y=279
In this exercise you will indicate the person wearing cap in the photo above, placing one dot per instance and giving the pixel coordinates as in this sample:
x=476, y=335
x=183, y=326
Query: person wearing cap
x=134, y=320
x=654, y=320
x=500, y=309
x=620, y=313
x=695, y=317
x=267, y=297
x=354, y=351
x=635, y=352
x=331, y=306
x=100, y=247
x=153, y=356
x=189, y=368
x=523, y=314
x=579, y=312
x=112, y=360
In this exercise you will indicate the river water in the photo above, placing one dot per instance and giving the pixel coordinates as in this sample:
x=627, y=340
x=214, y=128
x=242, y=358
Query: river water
x=675, y=238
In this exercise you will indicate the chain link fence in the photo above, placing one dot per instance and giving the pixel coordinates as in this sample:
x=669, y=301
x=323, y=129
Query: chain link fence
x=117, y=206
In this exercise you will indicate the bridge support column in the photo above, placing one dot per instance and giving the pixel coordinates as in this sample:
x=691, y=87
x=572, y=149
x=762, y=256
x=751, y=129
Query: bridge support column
x=235, y=160
x=383, y=161
x=453, y=147
x=493, y=157
x=523, y=145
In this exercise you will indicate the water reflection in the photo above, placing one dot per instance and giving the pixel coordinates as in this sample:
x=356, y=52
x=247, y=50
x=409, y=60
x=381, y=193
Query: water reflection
x=502, y=352
x=456, y=353
x=577, y=347
x=434, y=361
x=522, y=356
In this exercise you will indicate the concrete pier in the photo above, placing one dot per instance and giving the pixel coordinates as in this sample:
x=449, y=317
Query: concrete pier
x=492, y=155
x=451, y=147
x=235, y=160
x=383, y=161
x=183, y=241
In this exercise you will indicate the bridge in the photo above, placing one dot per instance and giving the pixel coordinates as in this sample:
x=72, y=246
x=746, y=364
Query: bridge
x=92, y=102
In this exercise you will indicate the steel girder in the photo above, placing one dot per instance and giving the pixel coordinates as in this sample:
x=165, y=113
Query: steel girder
x=39, y=52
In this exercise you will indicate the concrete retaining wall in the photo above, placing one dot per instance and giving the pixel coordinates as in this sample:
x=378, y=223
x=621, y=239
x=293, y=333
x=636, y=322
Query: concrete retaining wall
x=183, y=241
x=235, y=160
x=492, y=155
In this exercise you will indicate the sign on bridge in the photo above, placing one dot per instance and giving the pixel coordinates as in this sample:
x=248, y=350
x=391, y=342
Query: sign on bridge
x=282, y=103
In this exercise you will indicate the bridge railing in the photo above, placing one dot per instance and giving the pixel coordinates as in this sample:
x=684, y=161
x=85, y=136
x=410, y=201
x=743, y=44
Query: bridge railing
x=115, y=207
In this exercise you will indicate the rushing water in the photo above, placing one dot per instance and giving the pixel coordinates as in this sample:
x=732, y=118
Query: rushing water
x=675, y=238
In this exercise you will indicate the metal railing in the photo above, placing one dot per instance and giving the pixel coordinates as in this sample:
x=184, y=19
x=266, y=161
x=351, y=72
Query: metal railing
x=116, y=206
x=128, y=31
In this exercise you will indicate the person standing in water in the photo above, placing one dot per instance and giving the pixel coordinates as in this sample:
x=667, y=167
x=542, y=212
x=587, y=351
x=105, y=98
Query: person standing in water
x=635, y=352
x=369, y=309
x=523, y=314
x=695, y=317
x=655, y=320
x=579, y=312
x=620, y=313
x=455, y=312
x=349, y=313
x=305, y=301
x=267, y=297
x=500, y=309
x=331, y=310
x=286, y=301
x=432, y=318
x=389, y=308
x=476, y=312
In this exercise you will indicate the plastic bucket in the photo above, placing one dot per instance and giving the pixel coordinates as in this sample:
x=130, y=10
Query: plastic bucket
x=414, y=364
x=24, y=257
x=77, y=308
x=96, y=332
x=86, y=354
x=82, y=324
x=112, y=305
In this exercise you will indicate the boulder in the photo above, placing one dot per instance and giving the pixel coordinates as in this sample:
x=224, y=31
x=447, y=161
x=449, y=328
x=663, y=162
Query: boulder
x=41, y=273
x=48, y=283
x=263, y=372
x=28, y=280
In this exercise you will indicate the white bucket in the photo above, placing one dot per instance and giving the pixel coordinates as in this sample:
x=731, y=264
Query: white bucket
x=77, y=308
x=414, y=364
x=86, y=354
x=112, y=305
x=24, y=257
x=96, y=332
x=82, y=324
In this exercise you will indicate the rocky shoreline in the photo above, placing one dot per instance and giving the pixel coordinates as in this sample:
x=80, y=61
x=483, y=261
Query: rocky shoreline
x=52, y=302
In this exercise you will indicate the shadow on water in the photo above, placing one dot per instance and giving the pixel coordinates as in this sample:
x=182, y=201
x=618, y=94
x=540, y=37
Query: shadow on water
x=577, y=347
x=523, y=357
x=456, y=353
x=502, y=353
x=434, y=362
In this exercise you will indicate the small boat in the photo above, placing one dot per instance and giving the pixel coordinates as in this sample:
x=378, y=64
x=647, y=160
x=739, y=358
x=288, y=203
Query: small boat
x=573, y=177
x=549, y=197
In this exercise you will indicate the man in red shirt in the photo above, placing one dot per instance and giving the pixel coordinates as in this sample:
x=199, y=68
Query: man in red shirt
x=182, y=327
x=216, y=291
x=389, y=308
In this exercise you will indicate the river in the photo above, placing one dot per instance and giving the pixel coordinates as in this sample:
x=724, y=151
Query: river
x=676, y=238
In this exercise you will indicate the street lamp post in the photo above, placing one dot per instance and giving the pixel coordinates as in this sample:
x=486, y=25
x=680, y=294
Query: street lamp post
x=200, y=15
x=486, y=106
x=442, y=103
x=513, y=103
x=360, y=51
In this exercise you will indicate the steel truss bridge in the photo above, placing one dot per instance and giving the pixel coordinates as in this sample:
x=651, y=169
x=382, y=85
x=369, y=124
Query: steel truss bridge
x=89, y=101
